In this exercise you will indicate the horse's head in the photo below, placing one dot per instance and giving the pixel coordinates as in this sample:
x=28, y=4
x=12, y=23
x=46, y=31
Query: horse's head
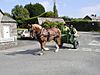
x=36, y=28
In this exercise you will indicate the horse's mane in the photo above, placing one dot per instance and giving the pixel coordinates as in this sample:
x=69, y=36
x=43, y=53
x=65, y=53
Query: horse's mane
x=37, y=27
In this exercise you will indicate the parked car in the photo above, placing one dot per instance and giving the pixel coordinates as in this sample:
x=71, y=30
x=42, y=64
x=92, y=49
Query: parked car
x=25, y=34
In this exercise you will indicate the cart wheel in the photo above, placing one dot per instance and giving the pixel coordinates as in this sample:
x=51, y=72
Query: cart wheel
x=76, y=44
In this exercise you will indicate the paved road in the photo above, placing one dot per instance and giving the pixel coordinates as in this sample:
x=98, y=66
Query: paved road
x=23, y=59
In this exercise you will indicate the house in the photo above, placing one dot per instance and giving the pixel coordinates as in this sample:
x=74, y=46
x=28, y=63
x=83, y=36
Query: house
x=92, y=18
x=43, y=19
x=8, y=32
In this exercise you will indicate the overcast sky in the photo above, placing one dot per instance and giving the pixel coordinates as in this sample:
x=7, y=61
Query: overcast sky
x=70, y=8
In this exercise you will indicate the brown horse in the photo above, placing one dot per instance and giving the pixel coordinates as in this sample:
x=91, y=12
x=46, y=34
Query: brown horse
x=44, y=35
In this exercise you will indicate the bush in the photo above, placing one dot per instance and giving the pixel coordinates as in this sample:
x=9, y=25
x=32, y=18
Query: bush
x=86, y=25
x=23, y=23
x=49, y=24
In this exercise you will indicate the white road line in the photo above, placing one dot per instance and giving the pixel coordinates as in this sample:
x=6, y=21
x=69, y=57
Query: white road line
x=94, y=42
x=73, y=49
x=86, y=49
x=97, y=50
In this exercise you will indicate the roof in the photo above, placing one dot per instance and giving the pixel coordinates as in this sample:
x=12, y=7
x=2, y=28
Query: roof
x=43, y=19
x=7, y=19
x=93, y=18
x=1, y=11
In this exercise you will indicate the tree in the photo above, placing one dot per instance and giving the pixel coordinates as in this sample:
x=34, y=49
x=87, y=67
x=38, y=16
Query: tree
x=19, y=12
x=47, y=14
x=66, y=18
x=29, y=7
x=55, y=10
x=35, y=9
x=7, y=14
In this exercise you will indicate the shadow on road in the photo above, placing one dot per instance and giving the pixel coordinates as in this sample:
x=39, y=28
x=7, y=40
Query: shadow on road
x=98, y=38
x=29, y=51
x=64, y=47
x=36, y=51
x=96, y=33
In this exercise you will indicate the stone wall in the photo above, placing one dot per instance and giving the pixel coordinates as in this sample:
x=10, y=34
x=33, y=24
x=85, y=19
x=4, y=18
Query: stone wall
x=12, y=41
x=7, y=45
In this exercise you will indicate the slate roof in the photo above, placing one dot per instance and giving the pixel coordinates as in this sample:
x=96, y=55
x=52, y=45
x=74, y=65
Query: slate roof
x=93, y=18
x=43, y=19
x=7, y=19
x=1, y=11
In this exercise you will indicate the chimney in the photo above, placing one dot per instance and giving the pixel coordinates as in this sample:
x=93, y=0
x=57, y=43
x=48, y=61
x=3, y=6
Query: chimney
x=93, y=15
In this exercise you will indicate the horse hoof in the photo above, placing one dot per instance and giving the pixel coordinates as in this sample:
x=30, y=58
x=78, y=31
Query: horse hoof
x=41, y=53
x=56, y=51
x=46, y=49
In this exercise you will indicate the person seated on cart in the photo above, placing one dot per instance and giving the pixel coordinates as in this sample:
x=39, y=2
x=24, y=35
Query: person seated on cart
x=65, y=33
x=65, y=29
x=73, y=33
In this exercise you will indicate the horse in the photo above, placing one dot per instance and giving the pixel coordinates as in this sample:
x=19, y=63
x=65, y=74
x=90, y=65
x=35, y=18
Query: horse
x=44, y=35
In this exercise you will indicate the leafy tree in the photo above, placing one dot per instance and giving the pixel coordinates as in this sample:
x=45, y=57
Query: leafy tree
x=35, y=9
x=55, y=10
x=79, y=19
x=19, y=12
x=29, y=7
x=7, y=14
x=66, y=18
x=47, y=14
x=49, y=24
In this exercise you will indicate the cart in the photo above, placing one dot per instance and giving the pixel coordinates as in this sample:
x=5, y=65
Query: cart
x=69, y=38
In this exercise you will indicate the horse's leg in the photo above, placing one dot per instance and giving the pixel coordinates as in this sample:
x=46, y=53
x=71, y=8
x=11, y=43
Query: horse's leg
x=31, y=34
x=42, y=48
x=57, y=48
x=58, y=43
x=46, y=49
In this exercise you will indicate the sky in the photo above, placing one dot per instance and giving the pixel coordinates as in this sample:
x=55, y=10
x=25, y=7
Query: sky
x=70, y=8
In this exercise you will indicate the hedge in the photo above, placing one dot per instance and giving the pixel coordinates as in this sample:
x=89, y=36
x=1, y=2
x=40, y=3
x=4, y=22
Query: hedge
x=85, y=25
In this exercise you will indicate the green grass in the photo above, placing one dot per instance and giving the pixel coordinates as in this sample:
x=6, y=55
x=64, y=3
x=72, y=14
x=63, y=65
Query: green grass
x=21, y=28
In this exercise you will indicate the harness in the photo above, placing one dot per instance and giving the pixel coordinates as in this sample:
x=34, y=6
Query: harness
x=39, y=34
x=48, y=38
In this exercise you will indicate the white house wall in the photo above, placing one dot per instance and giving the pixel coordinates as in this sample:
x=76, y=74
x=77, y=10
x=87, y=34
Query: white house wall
x=1, y=15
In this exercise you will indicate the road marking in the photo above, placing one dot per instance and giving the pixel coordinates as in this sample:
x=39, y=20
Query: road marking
x=94, y=42
x=73, y=49
x=97, y=50
x=86, y=49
